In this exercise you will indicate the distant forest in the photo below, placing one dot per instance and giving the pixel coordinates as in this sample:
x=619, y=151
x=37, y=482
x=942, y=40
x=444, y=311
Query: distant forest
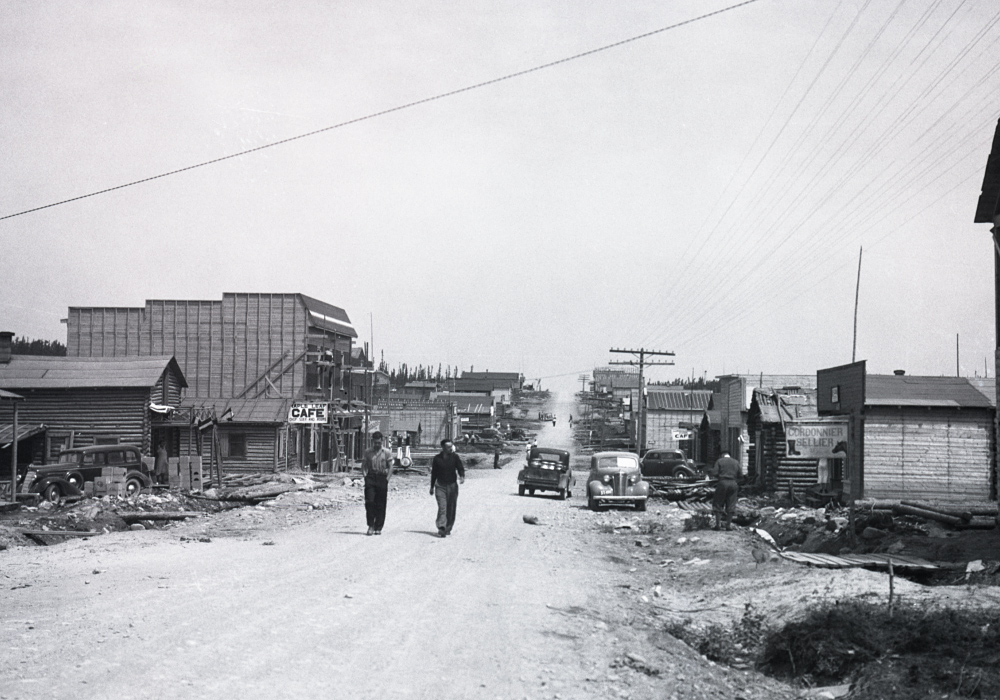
x=23, y=346
x=687, y=383
x=402, y=374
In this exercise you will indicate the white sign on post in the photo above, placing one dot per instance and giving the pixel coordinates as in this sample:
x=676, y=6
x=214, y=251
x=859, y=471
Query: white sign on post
x=309, y=413
x=816, y=439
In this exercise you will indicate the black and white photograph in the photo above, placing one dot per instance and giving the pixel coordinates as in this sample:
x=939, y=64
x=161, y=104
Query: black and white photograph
x=627, y=349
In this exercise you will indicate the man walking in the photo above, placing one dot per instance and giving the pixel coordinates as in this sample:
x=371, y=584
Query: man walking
x=728, y=471
x=376, y=467
x=447, y=472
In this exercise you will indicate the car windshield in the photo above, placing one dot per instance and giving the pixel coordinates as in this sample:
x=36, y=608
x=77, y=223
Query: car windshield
x=617, y=462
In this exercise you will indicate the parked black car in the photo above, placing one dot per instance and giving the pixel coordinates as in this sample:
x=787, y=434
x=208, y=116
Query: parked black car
x=80, y=464
x=671, y=463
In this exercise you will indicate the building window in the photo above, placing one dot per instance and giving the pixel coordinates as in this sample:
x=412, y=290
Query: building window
x=835, y=394
x=236, y=444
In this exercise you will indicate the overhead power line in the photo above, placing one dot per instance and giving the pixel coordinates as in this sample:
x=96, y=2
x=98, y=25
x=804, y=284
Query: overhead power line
x=398, y=108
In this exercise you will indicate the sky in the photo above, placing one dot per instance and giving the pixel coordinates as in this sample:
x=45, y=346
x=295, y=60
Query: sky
x=704, y=190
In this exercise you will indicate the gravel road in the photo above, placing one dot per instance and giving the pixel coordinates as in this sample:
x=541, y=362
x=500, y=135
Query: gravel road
x=305, y=605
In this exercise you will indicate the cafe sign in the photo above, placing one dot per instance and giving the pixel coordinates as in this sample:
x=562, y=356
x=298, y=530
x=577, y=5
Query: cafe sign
x=309, y=413
x=816, y=439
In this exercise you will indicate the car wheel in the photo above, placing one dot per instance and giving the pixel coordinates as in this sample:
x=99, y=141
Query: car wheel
x=531, y=492
x=561, y=495
x=683, y=473
x=520, y=490
x=76, y=481
x=593, y=504
x=640, y=505
x=133, y=487
x=52, y=493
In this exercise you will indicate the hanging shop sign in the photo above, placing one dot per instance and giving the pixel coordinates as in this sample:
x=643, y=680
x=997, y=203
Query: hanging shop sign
x=816, y=439
x=309, y=413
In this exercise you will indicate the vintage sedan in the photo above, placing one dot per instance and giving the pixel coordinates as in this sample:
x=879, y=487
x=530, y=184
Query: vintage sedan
x=78, y=465
x=615, y=479
x=547, y=470
x=669, y=463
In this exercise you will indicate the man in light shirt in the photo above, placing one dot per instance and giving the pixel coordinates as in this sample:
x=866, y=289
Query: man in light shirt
x=376, y=467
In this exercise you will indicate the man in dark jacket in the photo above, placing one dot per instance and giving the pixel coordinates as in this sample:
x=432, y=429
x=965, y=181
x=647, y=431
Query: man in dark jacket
x=728, y=471
x=447, y=472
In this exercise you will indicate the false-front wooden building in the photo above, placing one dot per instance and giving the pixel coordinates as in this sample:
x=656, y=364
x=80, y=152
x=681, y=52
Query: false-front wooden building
x=921, y=438
x=247, y=358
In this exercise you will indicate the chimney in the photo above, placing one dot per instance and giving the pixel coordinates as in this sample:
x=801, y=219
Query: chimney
x=899, y=372
x=6, y=338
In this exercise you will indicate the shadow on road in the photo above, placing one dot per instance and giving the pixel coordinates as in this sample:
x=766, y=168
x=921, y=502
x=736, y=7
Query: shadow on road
x=429, y=533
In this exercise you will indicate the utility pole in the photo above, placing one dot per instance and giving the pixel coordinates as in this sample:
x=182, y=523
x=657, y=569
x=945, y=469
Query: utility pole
x=641, y=354
x=583, y=382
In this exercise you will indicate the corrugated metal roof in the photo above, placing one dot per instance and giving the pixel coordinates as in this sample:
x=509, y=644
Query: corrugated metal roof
x=23, y=432
x=776, y=407
x=49, y=372
x=677, y=400
x=905, y=390
x=328, y=317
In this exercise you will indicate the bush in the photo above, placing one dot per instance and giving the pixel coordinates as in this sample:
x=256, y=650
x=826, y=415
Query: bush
x=729, y=644
x=837, y=640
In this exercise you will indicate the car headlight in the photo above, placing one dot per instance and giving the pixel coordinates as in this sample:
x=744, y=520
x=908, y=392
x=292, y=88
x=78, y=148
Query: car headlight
x=606, y=478
x=632, y=479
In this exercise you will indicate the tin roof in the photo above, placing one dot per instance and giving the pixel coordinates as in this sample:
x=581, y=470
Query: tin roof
x=776, y=407
x=677, y=400
x=905, y=390
x=51, y=372
x=328, y=317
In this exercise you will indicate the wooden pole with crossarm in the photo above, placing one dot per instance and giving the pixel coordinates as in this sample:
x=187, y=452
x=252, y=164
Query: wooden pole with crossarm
x=642, y=363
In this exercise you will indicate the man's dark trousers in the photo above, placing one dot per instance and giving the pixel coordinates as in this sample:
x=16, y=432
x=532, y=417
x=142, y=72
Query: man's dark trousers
x=376, y=491
x=447, y=500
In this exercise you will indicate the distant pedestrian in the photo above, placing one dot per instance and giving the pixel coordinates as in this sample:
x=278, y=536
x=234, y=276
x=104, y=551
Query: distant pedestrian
x=161, y=467
x=496, y=456
x=376, y=467
x=553, y=422
x=447, y=472
x=571, y=420
x=728, y=472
